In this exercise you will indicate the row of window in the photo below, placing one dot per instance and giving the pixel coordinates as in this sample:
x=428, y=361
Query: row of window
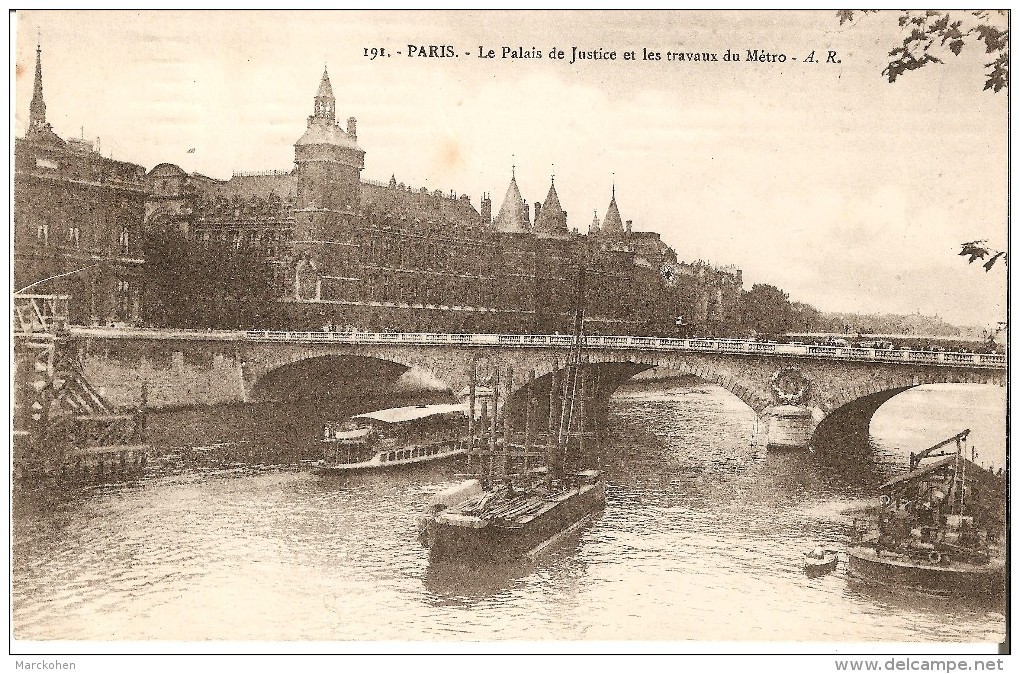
x=267, y=240
x=73, y=237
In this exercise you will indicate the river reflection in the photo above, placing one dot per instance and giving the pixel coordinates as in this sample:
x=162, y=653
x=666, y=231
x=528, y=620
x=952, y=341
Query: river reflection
x=233, y=537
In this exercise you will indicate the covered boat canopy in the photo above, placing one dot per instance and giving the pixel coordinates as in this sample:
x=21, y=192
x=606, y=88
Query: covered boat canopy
x=401, y=415
x=356, y=434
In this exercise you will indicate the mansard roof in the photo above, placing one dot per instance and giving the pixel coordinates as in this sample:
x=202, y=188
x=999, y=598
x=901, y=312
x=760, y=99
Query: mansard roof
x=402, y=201
x=321, y=133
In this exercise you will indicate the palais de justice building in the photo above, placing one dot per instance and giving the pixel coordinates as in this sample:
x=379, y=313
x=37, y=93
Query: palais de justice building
x=351, y=252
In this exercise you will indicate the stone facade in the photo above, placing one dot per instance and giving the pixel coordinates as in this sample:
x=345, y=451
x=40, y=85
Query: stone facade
x=77, y=220
x=348, y=252
x=356, y=253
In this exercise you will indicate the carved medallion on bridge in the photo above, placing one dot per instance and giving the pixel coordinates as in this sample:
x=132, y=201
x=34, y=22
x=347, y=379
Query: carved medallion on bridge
x=485, y=371
x=790, y=386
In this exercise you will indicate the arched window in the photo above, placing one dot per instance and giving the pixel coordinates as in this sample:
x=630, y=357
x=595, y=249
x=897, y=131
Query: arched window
x=125, y=240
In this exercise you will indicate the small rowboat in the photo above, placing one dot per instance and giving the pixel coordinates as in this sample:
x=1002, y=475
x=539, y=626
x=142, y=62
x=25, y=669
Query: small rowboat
x=818, y=562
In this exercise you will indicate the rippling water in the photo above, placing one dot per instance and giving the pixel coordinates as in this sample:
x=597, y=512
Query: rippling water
x=701, y=539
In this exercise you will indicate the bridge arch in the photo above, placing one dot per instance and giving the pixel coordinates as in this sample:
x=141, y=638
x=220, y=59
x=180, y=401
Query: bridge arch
x=611, y=372
x=849, y=411
x=337, y=375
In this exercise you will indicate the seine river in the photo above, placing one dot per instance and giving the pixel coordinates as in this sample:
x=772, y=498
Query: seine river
x=701, y=539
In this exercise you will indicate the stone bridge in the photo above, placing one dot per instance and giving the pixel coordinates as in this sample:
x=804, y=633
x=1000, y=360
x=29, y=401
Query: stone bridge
x=784, y=384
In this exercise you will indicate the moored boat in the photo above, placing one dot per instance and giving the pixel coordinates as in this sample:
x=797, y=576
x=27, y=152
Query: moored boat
x=395, y=437
x=940, y=528
x=527, y=494
x=819, y=561
x=504, y=523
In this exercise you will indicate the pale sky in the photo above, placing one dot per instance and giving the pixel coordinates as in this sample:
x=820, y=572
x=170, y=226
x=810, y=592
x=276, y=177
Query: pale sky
x=848, y=192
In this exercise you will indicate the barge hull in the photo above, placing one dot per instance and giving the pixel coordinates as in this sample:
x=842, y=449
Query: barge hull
x=865, y=565
x=499, y=540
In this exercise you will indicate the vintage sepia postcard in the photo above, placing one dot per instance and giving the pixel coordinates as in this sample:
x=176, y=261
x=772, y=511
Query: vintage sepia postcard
x=407, y=331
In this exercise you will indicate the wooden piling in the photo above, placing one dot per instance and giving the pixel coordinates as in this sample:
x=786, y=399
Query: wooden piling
x=472, y=382
x=582, y=413
x=494, y=418
x=507, y=430
x=529, y=413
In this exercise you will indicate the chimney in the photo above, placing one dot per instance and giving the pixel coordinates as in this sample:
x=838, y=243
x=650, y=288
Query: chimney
x=352, y=128
x=486, y=209
x=630, y=225
x=538, y=209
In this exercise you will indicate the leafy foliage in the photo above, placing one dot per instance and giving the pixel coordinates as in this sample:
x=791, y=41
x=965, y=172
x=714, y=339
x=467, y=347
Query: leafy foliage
x=933, y=33
x=766, y=310
x=220, y=287
x=979, y=250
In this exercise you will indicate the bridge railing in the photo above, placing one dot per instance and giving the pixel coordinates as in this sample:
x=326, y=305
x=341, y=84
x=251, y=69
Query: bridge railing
x=644, y=343
x=701, y=345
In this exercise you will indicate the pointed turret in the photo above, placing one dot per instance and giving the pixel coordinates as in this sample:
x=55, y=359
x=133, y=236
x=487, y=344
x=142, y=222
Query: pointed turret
x=37, y=111
x=513, y=214
x=552, y=220
x=594, y=227
x=325, y=103
x=613, y=224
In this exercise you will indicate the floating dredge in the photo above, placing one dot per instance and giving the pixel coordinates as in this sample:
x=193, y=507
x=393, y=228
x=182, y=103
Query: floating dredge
x=940, y=527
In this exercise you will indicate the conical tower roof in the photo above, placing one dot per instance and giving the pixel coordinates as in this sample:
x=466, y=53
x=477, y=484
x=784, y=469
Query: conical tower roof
x=613, y=224
x=513, y=214
x=595, y=226
x=552, y=219
x=325, y=88
x=322, y=126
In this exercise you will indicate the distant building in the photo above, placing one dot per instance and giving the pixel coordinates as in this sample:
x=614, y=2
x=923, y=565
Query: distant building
x=349, y=252
x=77, y=221
x=384, y=255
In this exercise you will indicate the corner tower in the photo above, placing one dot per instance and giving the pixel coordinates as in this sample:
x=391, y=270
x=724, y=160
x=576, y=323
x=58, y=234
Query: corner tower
x=328, y=165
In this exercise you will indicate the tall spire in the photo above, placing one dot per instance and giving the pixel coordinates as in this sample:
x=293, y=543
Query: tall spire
x=325, y=103
x=37, y=110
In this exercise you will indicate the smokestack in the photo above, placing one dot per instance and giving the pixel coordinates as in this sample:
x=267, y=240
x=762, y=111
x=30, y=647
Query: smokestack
x=486, y=209
x=352, y=128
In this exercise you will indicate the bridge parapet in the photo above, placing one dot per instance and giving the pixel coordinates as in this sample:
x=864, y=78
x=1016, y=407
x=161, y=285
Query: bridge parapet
x=594, y=342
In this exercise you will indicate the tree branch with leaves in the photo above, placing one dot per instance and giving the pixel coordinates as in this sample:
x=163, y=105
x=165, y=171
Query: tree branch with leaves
x=980, y=250
x=933, y=34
